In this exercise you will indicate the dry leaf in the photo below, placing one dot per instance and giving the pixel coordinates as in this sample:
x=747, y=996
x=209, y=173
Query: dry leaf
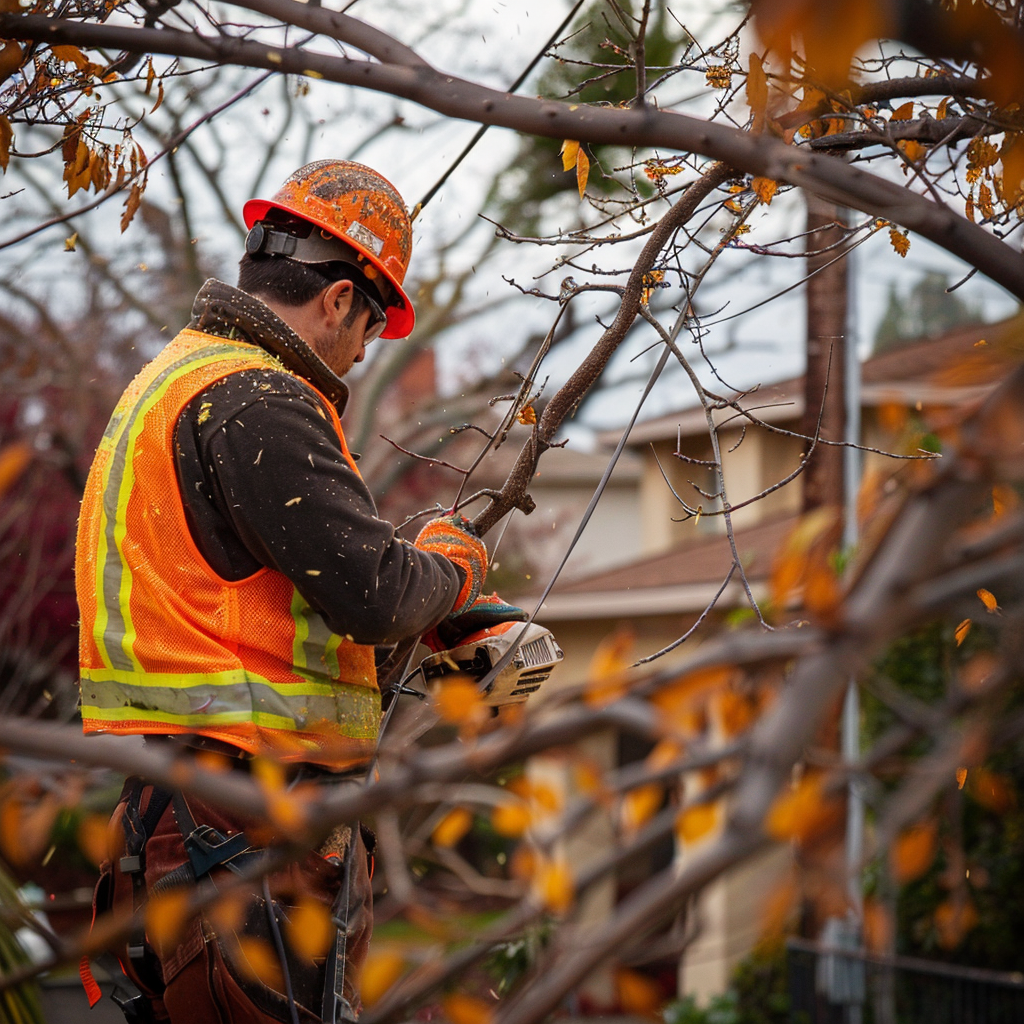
x=905, y=112
x=961, y=631
x=554, y=886
x=570, y=148
x=961, y=777
x=257, y=960
x=452, y=827
x=167, y=913
x=227, y=914
x=911, y=855
x=640, y=805
x=953, y=920
x=309, y=929
x=757, y=97
x=696, y=822
x=878, y=928
x=606, y=677
x=764, y=189
x=465, y=1009
x=992, y=791
x=14, y=459
x=582, y=171
x=6, y=138
x=92, y=838
x=510, y=819
x=801, y=812
x=637, y=993
x=382, y=968
x=457, y=700
x=718, y=77
x=988, y=600
x=131, y=205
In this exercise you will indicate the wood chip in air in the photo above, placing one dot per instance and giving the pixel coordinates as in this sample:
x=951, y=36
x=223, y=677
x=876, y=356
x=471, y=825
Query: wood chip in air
x=292, y=501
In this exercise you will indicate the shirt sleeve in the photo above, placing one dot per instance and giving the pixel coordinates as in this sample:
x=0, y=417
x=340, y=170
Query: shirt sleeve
x=266, y=465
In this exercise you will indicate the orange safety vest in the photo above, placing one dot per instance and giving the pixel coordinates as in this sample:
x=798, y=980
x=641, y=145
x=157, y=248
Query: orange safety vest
x=166, y=645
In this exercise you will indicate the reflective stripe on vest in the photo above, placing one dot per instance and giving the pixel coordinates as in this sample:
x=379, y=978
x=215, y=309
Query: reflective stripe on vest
x=166, y=645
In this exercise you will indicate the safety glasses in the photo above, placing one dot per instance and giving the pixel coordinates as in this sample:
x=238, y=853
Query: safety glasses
x=377, y=321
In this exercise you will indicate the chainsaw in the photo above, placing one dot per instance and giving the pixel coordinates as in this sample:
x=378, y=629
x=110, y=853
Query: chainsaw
x=476, y=656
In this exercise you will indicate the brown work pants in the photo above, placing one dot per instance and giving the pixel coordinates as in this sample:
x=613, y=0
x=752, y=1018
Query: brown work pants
x=204, y=975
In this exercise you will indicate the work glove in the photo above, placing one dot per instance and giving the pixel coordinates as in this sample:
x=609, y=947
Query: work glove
x=487, y=610
x=454, y=537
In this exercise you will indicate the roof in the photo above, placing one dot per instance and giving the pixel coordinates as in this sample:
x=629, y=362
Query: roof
x=681, y=580
x=951, y=369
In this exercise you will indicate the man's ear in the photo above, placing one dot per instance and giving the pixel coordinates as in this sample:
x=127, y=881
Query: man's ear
x=337, y=300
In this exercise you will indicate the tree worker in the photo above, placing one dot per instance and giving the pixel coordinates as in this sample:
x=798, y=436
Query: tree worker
x=236, y=588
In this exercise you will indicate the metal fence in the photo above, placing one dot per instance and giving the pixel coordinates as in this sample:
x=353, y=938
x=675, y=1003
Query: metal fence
x=841, y=986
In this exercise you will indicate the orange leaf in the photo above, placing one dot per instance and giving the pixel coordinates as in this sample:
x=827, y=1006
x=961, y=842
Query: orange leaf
x=527, y=415
x=227, y=914
x=878, y=927
x=637, y=993
x=953, y=920
x=14, y=458
x=465, y=1009
x=1013, y=167
x=257, y=960
x=961, y=777
x=523, y=863
x=900, y=242
x=992, y=791
x=510, y=819
x=131, y=205
x=961, y=631
x=940, y=113
x=757, y=96
x=800, y=813
x=457, y=700
x=6, y=138
x=640, y=805
x=911, y=149
x=92, y=838
x=665, y=752
x=988, y=600
x=167, y=914
x=310, y=929
x=696, y=822
x=606, y=678
x=569, y=150
x=735, y=712
x=764, y=189
x=904, y=112
x=452, y=827
x=582, y=171
x=555, y=887
x=912, y=853
x=382, y=968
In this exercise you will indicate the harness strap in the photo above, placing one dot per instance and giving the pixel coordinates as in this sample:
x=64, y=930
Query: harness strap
x=207, y=848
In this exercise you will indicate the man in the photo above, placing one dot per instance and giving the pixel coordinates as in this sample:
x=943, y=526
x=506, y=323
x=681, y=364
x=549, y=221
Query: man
x=235, y=583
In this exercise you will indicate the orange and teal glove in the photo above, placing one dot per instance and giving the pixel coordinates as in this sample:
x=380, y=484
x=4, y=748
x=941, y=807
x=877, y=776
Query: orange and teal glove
x=454, y=537
x=486, y=611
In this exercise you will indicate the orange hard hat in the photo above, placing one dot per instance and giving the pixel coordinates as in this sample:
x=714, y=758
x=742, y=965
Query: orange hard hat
x=358, y=206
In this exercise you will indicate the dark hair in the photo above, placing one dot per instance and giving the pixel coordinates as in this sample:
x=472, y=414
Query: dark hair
x=294, y=284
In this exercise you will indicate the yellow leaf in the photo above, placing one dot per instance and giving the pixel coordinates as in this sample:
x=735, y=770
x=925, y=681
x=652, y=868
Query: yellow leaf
x=696, y=822
x=665, y=752
x=70, y=242
x=452, y=827
x=640, y=805
x=757, y=93
x=227, y=914
x=6, y=138
x=257, y=960
x=637, y=993
x=900, y=242
x=92, y=838
x=940, y=113
x=527, y=415
x=988, y=600
x=961, y=777
x=736, y=711
x=911, y=149
x=582, y=171
x=310, y=929
x=718, y=77
x=904, y=112
x=1012, y=157
x=167, y=914
x=510, y=819
x=554, y=886
x=382, y=968
x=912, y=853
x=764, y=189
x=961, y=631
x=569, y=150
x=464, y=1009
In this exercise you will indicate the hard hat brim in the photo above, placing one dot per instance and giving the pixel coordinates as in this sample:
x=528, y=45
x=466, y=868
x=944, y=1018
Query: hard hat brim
x=400, y=319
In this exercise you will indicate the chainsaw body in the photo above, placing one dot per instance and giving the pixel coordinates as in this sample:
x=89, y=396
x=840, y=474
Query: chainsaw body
x=534, y=659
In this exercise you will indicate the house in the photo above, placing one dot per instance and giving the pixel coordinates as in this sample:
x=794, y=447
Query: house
x=905, y=393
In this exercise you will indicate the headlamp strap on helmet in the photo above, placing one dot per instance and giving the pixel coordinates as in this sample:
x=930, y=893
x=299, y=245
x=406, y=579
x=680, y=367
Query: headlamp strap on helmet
x=265, y=240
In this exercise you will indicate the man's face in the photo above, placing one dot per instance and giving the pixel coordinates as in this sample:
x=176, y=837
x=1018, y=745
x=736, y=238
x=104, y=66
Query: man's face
x=342, y=347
